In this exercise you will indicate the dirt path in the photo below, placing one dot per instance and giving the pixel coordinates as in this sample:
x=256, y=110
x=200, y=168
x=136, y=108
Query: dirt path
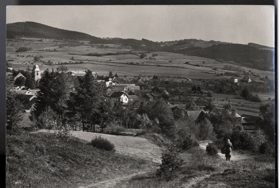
x=111, y=183
x=203, y=144
x=235, y=156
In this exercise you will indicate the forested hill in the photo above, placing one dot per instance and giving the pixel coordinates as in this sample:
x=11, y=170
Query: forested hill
x=244, y=55
x=37, y=30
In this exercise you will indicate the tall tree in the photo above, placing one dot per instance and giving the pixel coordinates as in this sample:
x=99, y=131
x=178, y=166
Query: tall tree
x=62, y=68
x=13, y=109
x=52, y=94
x=90, y=100
x=110, y=74
x=164, y=114
x=267, y=112
x=30, y=82
x=20, y=81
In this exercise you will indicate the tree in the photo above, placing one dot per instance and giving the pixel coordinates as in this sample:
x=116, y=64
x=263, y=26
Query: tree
x=53, y=92
x=30, y=83
x=245, y=93
x=13, y=111
x=143, y=55
x=36, y=58
x=28, y=68
x=110, y=74
x=190, y=105
x=116, y=75
x=164, y=114
x=194, y=89
x=20, y=81
x=90, y=100
x=62, y=68
x=198, y=89
x=210, y=107
x=267, y=112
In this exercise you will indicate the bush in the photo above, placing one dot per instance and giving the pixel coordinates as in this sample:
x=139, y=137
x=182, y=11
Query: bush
x=242, y=140
x=219, y=143
x=265, y=148
x=170, y=165
x=40, y=148
x=114, y=129
x=142, y=132
x=211, y=149
x=270, y=175
x=103, y=144
x=187, y=143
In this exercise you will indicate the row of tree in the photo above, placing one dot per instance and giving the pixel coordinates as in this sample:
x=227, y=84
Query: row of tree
x=87, y=104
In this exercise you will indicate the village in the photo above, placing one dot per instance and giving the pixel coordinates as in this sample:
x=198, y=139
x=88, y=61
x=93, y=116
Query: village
x=136, y=90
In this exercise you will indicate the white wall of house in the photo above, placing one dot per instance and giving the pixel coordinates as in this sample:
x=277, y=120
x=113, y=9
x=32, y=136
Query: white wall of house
x=124, y=98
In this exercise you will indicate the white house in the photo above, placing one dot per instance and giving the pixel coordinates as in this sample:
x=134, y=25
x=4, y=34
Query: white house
x=124, y=98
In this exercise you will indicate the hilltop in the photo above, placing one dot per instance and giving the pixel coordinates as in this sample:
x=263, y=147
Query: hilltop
x=37, y=30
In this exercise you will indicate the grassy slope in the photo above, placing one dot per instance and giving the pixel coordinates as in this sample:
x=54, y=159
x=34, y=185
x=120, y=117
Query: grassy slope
x=73, y=162
x=253, y=172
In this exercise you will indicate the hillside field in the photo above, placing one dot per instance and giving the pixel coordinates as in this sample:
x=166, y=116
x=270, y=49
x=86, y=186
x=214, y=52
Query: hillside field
x=104, y=58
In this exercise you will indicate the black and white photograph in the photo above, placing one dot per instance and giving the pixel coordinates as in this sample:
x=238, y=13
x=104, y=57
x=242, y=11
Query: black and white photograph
x=146, y=96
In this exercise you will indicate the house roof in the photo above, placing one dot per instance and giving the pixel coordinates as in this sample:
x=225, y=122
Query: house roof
x=249, y=118
x=148, y=95
x=193, y=114
x=134, y=87
x=131, y=93
x=197, y=115
x=117, y=87
x=156, y=94
x=19, y=75
x=117, y=94
x=133, y=97
x=172, y=105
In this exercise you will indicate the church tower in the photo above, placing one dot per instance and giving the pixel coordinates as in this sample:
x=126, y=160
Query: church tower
x=37, y=72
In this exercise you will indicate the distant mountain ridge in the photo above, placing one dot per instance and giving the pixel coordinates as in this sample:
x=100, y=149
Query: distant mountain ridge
x=37, y=30
x=261, y=47
x=251, y=55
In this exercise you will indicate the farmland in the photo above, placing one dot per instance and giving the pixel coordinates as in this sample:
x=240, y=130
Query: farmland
x=104, y=58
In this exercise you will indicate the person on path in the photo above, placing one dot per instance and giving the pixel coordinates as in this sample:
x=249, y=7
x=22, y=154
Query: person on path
x=228, y=148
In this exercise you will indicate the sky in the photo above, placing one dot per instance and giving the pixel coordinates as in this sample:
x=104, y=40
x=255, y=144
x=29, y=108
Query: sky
x=227, y=23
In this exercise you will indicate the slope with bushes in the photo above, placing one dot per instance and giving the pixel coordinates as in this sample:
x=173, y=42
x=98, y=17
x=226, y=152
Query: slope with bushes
x=45, y=160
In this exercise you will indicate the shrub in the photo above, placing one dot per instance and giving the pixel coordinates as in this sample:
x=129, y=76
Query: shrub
x=103, y=144
x=270, y=175
x=219, y=143
x=265, y=148
x=40, y=148
x=155, y=129
x=187, y=143
x=142, y=132
x=114, y=129
x=170, y=165
x=211, y=149
x=242, y=140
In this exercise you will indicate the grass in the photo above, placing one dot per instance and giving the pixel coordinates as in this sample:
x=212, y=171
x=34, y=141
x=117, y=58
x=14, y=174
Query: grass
x=73, y=162
x=258, y=171
x=196, y=164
